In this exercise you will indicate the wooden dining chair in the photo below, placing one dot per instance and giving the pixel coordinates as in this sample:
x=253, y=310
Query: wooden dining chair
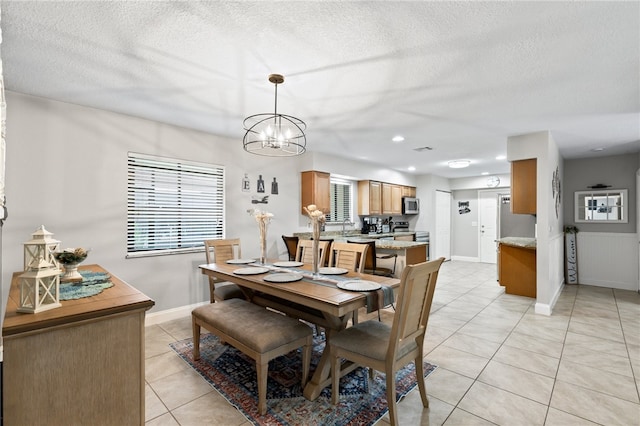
x=291, y=243
x=388, y=348
x=304, y=253
x=371, y=260
x=350, y=256
x=220, y=251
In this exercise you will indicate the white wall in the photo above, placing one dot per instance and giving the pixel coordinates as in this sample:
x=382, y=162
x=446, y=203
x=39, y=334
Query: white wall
x=67, y=170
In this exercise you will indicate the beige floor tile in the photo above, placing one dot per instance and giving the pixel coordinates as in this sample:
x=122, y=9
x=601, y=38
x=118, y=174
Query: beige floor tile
x=534, y=344
x=163, y=365
x=153, y=406
x=521, y=382
x=593, y=312
x=163, y=420
x=560, y=418
x=502, y=407
x=606, y=362
x=180, y=328
x=582, y=341
x=179, y=388
x=471, y=344
x=527, y=360
x=411, y=411
x=622, y=387
x=156, y=341
x=443, y=321
x=558, y=321
x=209, y=408
x=495, y=333
x=447, y=386
x=461, y=418
x=594, y=406
x=602, y=331
x=457, y=361
x=540, y=331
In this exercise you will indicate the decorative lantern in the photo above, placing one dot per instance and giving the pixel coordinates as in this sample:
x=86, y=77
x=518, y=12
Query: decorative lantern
x=39, y=287
x=41, y=246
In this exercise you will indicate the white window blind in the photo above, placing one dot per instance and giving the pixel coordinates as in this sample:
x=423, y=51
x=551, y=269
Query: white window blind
x=172, y=205
x=341, y=191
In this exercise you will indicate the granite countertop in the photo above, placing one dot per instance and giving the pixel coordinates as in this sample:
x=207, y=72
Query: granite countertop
x=336, y=235
x=523, y=242
x=381, y=243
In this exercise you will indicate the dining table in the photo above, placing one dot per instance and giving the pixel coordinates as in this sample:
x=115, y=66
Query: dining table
x=315, y=298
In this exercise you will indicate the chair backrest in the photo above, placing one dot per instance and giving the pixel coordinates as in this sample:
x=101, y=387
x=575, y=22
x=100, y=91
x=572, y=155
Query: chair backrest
x=370, y=258
x=291, y=243
x=417, y=286
x=348, y=255
x=222, y=250
x=305, y=251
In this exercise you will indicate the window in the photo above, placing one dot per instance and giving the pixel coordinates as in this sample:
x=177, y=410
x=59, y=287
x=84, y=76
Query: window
x=172, y=205
x=601, y=206
x=341, y=191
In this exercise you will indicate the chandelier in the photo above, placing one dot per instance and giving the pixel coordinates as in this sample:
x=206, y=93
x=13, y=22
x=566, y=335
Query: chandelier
x=274, y=135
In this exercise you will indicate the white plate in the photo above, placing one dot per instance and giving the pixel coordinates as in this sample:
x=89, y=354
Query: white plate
x=288, y=264
x=358, y=285
x=283, y=277
x=329, y=270
x=251, y=271
x=240, y=261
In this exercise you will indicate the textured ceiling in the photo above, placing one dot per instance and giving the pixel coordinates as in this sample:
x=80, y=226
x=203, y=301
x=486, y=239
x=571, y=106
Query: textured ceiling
x=457, y=77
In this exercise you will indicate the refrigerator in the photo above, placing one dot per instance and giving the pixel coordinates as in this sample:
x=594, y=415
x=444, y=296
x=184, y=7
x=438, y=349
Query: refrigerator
x=514, y=225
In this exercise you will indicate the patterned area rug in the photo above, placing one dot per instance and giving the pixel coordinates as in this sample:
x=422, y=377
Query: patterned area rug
x=233, y=374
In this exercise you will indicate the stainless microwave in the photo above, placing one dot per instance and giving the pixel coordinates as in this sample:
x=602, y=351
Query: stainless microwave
x=410, y=205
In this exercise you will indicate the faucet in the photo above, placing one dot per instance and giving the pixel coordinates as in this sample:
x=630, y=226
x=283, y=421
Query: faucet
x=344, y=223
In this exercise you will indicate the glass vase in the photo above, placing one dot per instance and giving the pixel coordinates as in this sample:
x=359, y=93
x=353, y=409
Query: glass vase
x=263, y=243
x=316, y=249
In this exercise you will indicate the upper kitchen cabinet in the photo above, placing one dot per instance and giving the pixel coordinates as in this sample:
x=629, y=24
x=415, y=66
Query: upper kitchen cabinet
x=391, y=199
x=369, y=197
x=523, y=186
x=316, y=189
x=408, y=191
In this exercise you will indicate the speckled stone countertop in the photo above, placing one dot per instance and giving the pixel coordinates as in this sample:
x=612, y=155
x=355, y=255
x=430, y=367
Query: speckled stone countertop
x=381, y=243
x=523, y=242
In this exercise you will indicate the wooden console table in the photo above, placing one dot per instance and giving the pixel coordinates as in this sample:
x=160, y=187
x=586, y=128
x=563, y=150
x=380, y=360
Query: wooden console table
x=82, y=363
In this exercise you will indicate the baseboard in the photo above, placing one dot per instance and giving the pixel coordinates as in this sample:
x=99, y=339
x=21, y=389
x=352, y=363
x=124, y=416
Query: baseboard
x=465, y=258
x=170, y=314
x=543, y=309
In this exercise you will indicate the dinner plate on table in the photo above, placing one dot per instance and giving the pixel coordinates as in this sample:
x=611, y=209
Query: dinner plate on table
x=251, y=271
x=240, y=261
x=285, y=277
x=330, y=270
x=359, y=285
x=288, y=264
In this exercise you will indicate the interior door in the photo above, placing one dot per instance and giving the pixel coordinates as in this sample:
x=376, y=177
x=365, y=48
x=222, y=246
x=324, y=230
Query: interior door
x=488, y=220
x=443, y=225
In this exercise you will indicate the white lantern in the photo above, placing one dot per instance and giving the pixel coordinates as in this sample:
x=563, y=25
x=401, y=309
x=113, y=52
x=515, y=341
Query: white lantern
x=39, y=287
x=41, y=246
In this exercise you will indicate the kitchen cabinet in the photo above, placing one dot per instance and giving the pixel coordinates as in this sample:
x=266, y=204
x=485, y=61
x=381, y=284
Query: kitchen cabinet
x=316, y=189
x=391, y=199
x=517, y=269
x=408, y=191
x=369, y=197
x=523, y=186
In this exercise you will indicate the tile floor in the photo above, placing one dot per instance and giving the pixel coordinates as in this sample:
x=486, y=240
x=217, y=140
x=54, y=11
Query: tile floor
x=499, y=363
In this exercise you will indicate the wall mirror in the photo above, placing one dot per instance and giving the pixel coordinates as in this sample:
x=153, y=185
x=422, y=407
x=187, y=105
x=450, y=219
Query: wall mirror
x=601, y=206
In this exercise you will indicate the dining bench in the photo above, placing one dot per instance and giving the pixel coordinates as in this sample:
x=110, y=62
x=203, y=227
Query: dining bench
x=260, y=333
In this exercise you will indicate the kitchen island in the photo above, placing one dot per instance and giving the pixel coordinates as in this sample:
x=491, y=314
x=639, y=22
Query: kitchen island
x=408, y=252
x=517, y=265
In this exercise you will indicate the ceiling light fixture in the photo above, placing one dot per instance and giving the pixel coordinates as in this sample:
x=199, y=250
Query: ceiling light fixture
x=411, y=168
x=501, y=157
x=459, y=164
x=274, y=135
x=398, y=138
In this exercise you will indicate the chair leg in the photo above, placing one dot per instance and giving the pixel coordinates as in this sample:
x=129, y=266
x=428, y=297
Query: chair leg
x=306, y=360
x=391, y=398
x=335, y=378
x=420, y=378
x=196, y=338
x=262, y=373
x=354, y=319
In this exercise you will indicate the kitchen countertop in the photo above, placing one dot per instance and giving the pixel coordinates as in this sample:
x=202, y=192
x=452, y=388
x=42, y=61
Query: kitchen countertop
x=523, y=242
x=352, y=234
x=381, y=243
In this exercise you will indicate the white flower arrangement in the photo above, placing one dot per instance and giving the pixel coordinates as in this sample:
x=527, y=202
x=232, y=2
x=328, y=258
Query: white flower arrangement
x=314, y=213
x=263, y=218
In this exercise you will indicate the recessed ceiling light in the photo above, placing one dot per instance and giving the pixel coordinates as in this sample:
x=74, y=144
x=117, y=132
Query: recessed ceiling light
x=484, y=173
x=459, y=164
x=501, y=157
x=398, y=138
x=411, y=168
x=597, y=149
